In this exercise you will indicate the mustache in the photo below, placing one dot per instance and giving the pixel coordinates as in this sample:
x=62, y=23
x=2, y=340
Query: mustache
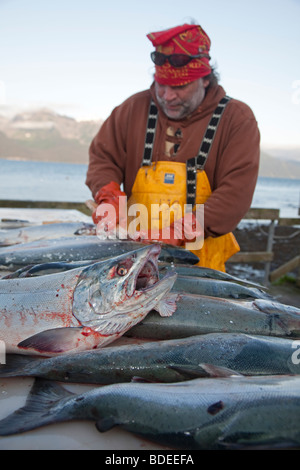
x=170, y=103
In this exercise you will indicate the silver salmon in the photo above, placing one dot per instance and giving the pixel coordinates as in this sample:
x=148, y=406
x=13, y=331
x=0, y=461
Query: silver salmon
x=197, y=314
x=201, y=271
x=45, y=232
x=215, y=354
x=82, y=248
x=217, y=288
x=85, y=307
x=218, y=413
x=186, y=284
x=181, y=269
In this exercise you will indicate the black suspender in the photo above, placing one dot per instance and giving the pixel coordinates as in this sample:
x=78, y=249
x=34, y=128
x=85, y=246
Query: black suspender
x=198, y=163
x=195, y=163
x=150, y=134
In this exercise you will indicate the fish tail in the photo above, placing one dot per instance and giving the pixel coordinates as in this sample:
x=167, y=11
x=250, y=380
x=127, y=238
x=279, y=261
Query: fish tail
x=17, y=365
x=39, y=410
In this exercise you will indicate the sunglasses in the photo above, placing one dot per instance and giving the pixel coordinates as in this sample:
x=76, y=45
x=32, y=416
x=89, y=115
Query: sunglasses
x=176, y=60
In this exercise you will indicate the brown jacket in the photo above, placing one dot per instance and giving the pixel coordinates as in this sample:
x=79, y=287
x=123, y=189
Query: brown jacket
x=232, y=166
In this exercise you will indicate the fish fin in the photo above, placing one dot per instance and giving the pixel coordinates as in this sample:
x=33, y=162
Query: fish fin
x=107, y=423
x=203, y=370
x=189, y=372
x=167, y=306
x=260, y=294
x=54, y=341
x=141, y=380
x=17, y=365
x=22, y=272
x=269, y=306
x=37, y=411
x=260, y=444
x=220, y=371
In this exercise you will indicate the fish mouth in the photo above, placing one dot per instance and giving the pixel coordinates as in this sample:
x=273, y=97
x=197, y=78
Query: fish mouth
x=148, y=274
x=146, y=287
x=132, y=288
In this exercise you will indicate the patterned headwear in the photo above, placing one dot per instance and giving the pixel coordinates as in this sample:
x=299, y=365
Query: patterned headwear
x=185, y=39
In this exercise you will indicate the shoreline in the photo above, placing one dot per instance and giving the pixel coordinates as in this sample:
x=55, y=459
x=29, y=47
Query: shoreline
x=23, y=159
x=85, y=162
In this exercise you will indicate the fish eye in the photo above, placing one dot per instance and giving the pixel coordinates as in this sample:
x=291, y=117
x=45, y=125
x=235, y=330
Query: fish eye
x=122, y=271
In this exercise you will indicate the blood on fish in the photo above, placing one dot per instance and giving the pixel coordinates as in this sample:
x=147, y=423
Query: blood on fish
x=87, y=332
x=215, y=408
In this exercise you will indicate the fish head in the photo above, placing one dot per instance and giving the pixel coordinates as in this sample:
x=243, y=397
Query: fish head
x=115, y=294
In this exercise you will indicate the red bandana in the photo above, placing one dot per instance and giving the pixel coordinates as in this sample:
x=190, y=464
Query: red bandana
x=185, y=39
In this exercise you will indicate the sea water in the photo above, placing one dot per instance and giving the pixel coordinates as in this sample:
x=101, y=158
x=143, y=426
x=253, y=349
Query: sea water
x=43, y=181
x=48, y=181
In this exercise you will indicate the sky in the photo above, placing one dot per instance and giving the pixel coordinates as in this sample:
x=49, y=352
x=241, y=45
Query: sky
x=83, y=58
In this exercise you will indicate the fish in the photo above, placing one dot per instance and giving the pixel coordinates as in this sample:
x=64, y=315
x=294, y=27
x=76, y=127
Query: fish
x=217, y=288
x=9, y=223
x=205, y=414
x=186, y=284
x=199, y=314
x=41, y=269
x=83, y=248
x=202, y=271
x=214, y=354
x=181, y=269
x=45, y=232
x=83, y=308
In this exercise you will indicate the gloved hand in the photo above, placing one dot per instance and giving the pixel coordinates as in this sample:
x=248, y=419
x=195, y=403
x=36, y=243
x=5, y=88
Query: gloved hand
x=108, y=194
x=181, y=231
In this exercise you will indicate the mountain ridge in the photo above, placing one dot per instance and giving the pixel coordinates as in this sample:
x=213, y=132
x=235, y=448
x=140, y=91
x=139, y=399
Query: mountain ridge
x=44, y=135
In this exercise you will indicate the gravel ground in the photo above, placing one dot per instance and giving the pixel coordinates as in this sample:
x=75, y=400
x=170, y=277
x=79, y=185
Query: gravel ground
x=253, y=237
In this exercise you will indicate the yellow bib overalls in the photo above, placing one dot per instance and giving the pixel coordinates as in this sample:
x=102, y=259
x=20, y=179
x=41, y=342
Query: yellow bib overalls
x=177, y=184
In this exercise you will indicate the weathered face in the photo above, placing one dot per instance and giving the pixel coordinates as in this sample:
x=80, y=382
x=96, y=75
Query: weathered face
x=177, y=102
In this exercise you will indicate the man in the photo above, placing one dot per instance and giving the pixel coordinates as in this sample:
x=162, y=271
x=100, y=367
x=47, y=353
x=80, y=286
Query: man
x=181, y=142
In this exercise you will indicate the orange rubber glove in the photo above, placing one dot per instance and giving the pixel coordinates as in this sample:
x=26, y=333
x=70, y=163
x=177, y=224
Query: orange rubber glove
x=108, y=194
x=181, y=231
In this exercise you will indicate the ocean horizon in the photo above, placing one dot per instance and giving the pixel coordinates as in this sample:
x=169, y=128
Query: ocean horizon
x=52, y=181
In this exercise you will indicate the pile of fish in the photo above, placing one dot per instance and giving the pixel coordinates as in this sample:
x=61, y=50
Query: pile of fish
x=210, y=361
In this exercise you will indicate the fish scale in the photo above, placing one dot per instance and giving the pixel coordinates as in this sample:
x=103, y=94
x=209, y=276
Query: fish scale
x=219, y=413
x=216, y=354
x=199, y=314
x=23, y=299
x=82, y=248
x=45, y=232
x=82, y=308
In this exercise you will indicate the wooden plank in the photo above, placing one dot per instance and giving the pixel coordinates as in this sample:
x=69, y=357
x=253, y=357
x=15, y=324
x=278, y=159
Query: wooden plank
x=285, y=268
x=289, y=221
x=253, y=213
x=260, y=213
x=12, y=204
x=251, y=257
